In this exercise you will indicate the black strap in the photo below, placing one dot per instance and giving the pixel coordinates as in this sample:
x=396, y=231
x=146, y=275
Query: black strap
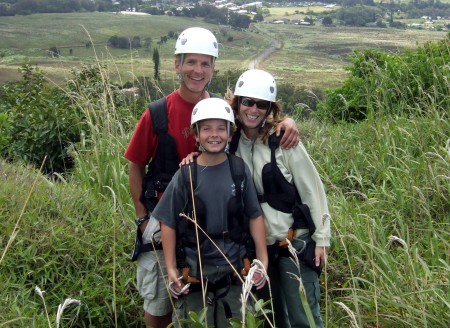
x=234, y=143
x=158, y=110
x=237, y=172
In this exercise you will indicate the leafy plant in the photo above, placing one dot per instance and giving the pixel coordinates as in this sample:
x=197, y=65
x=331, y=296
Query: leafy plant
x=41, y=122
x=411, y=83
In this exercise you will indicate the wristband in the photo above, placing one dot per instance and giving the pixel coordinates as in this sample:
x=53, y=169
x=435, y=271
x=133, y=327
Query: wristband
x=141, y=219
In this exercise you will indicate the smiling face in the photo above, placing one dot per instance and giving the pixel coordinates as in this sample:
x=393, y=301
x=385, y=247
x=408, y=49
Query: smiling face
x=196, y=71
x=250, y=113
x=213, y=135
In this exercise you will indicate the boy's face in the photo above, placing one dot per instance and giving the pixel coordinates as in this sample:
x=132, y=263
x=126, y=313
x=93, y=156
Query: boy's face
x=213, y=135
x=196, y=71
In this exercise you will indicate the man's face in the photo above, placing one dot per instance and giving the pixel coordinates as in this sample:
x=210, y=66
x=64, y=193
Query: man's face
x=196, y=71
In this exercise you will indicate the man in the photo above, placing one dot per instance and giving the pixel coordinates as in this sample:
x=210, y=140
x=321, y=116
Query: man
x=196, y=51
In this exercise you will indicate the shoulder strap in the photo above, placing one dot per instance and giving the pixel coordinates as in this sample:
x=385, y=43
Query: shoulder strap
x=274, y=143
x=158, y=110
x=238, y=173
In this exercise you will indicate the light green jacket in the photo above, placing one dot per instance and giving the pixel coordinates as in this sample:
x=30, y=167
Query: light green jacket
x=297, y=168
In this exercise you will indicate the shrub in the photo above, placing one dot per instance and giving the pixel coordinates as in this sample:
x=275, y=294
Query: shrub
x=40, y=122
x=410, y=83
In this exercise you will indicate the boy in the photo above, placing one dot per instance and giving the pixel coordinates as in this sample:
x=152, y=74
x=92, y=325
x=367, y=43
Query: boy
x=224, y=210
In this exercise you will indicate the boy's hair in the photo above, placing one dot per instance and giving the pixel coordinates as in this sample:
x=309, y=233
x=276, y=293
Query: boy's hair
x=195, y=132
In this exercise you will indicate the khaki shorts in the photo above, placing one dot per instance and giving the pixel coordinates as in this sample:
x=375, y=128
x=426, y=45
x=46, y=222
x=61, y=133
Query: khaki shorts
x=151, y=277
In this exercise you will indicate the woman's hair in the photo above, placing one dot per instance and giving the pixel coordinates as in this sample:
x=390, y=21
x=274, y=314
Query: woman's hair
x=275, y=116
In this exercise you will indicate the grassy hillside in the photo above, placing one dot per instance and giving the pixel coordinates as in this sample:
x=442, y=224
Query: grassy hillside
x=387, y=184
x=313, y=55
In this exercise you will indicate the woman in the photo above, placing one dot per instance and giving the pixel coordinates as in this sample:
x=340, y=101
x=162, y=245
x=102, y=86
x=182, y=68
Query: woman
x=258, y=115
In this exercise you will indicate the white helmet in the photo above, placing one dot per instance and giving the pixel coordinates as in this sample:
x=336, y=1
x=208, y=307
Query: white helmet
x=256, y=83
x=212, y=108
x=197, y=40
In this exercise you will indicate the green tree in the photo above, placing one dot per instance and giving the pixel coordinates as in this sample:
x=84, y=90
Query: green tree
x=41, y=122
x=156, y=63
x=327, y=21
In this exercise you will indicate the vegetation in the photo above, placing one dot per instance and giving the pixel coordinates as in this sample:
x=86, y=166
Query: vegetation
x=386, y=173
x=381, y=83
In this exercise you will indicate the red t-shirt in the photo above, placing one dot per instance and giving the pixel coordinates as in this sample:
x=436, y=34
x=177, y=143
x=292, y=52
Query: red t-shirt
x=144, y=142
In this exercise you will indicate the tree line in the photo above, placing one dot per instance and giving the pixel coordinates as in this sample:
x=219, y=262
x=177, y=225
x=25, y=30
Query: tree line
x=352, y=13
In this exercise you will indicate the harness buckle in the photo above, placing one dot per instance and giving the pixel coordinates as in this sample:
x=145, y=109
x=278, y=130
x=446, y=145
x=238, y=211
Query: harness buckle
x=290, y=236
x=141, y=220
x=187, y=279
x=151, y=193
x=246, y=267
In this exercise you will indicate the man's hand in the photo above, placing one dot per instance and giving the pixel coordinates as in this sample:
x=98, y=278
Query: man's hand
x=291, y=136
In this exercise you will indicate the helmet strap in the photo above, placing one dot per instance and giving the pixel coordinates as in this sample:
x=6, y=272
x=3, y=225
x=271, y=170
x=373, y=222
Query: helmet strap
x=265, y=117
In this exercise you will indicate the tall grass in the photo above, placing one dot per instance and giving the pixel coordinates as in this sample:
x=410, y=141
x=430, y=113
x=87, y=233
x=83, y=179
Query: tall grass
x=388, y=186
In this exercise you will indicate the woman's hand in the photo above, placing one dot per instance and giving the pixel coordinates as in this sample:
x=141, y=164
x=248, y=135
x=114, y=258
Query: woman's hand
x=291, y=136
x=320, y=256
x=189, y=158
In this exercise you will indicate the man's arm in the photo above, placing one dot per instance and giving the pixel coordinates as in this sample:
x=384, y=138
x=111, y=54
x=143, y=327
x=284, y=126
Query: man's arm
x=291, y=136
x=137, y=173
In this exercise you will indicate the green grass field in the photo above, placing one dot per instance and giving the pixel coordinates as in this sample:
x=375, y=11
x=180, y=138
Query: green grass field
x=314, y=56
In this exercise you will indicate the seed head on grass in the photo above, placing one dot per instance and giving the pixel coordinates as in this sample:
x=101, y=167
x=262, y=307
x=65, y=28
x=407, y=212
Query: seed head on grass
x=301, y=290
x=62, y=307
x=354, y=323
x=396, y=240
x=256, y=268
x=41, y=295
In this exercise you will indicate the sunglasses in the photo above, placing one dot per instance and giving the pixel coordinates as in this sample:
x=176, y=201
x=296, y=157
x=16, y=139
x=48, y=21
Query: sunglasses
x=261, y=104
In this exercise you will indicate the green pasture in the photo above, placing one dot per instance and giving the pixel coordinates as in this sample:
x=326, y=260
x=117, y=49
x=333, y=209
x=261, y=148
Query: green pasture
x=295, y=12
x=26, y=39
x=317, y=55
x=314, y=56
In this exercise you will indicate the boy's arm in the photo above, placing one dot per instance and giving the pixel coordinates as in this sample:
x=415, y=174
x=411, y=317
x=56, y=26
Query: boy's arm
x=258, y=232
x=168, y=238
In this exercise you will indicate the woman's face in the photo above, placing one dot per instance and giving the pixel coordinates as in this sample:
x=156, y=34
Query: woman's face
x=252, y=111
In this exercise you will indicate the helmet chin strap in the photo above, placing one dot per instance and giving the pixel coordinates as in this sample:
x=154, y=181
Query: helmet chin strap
x=204, y=150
